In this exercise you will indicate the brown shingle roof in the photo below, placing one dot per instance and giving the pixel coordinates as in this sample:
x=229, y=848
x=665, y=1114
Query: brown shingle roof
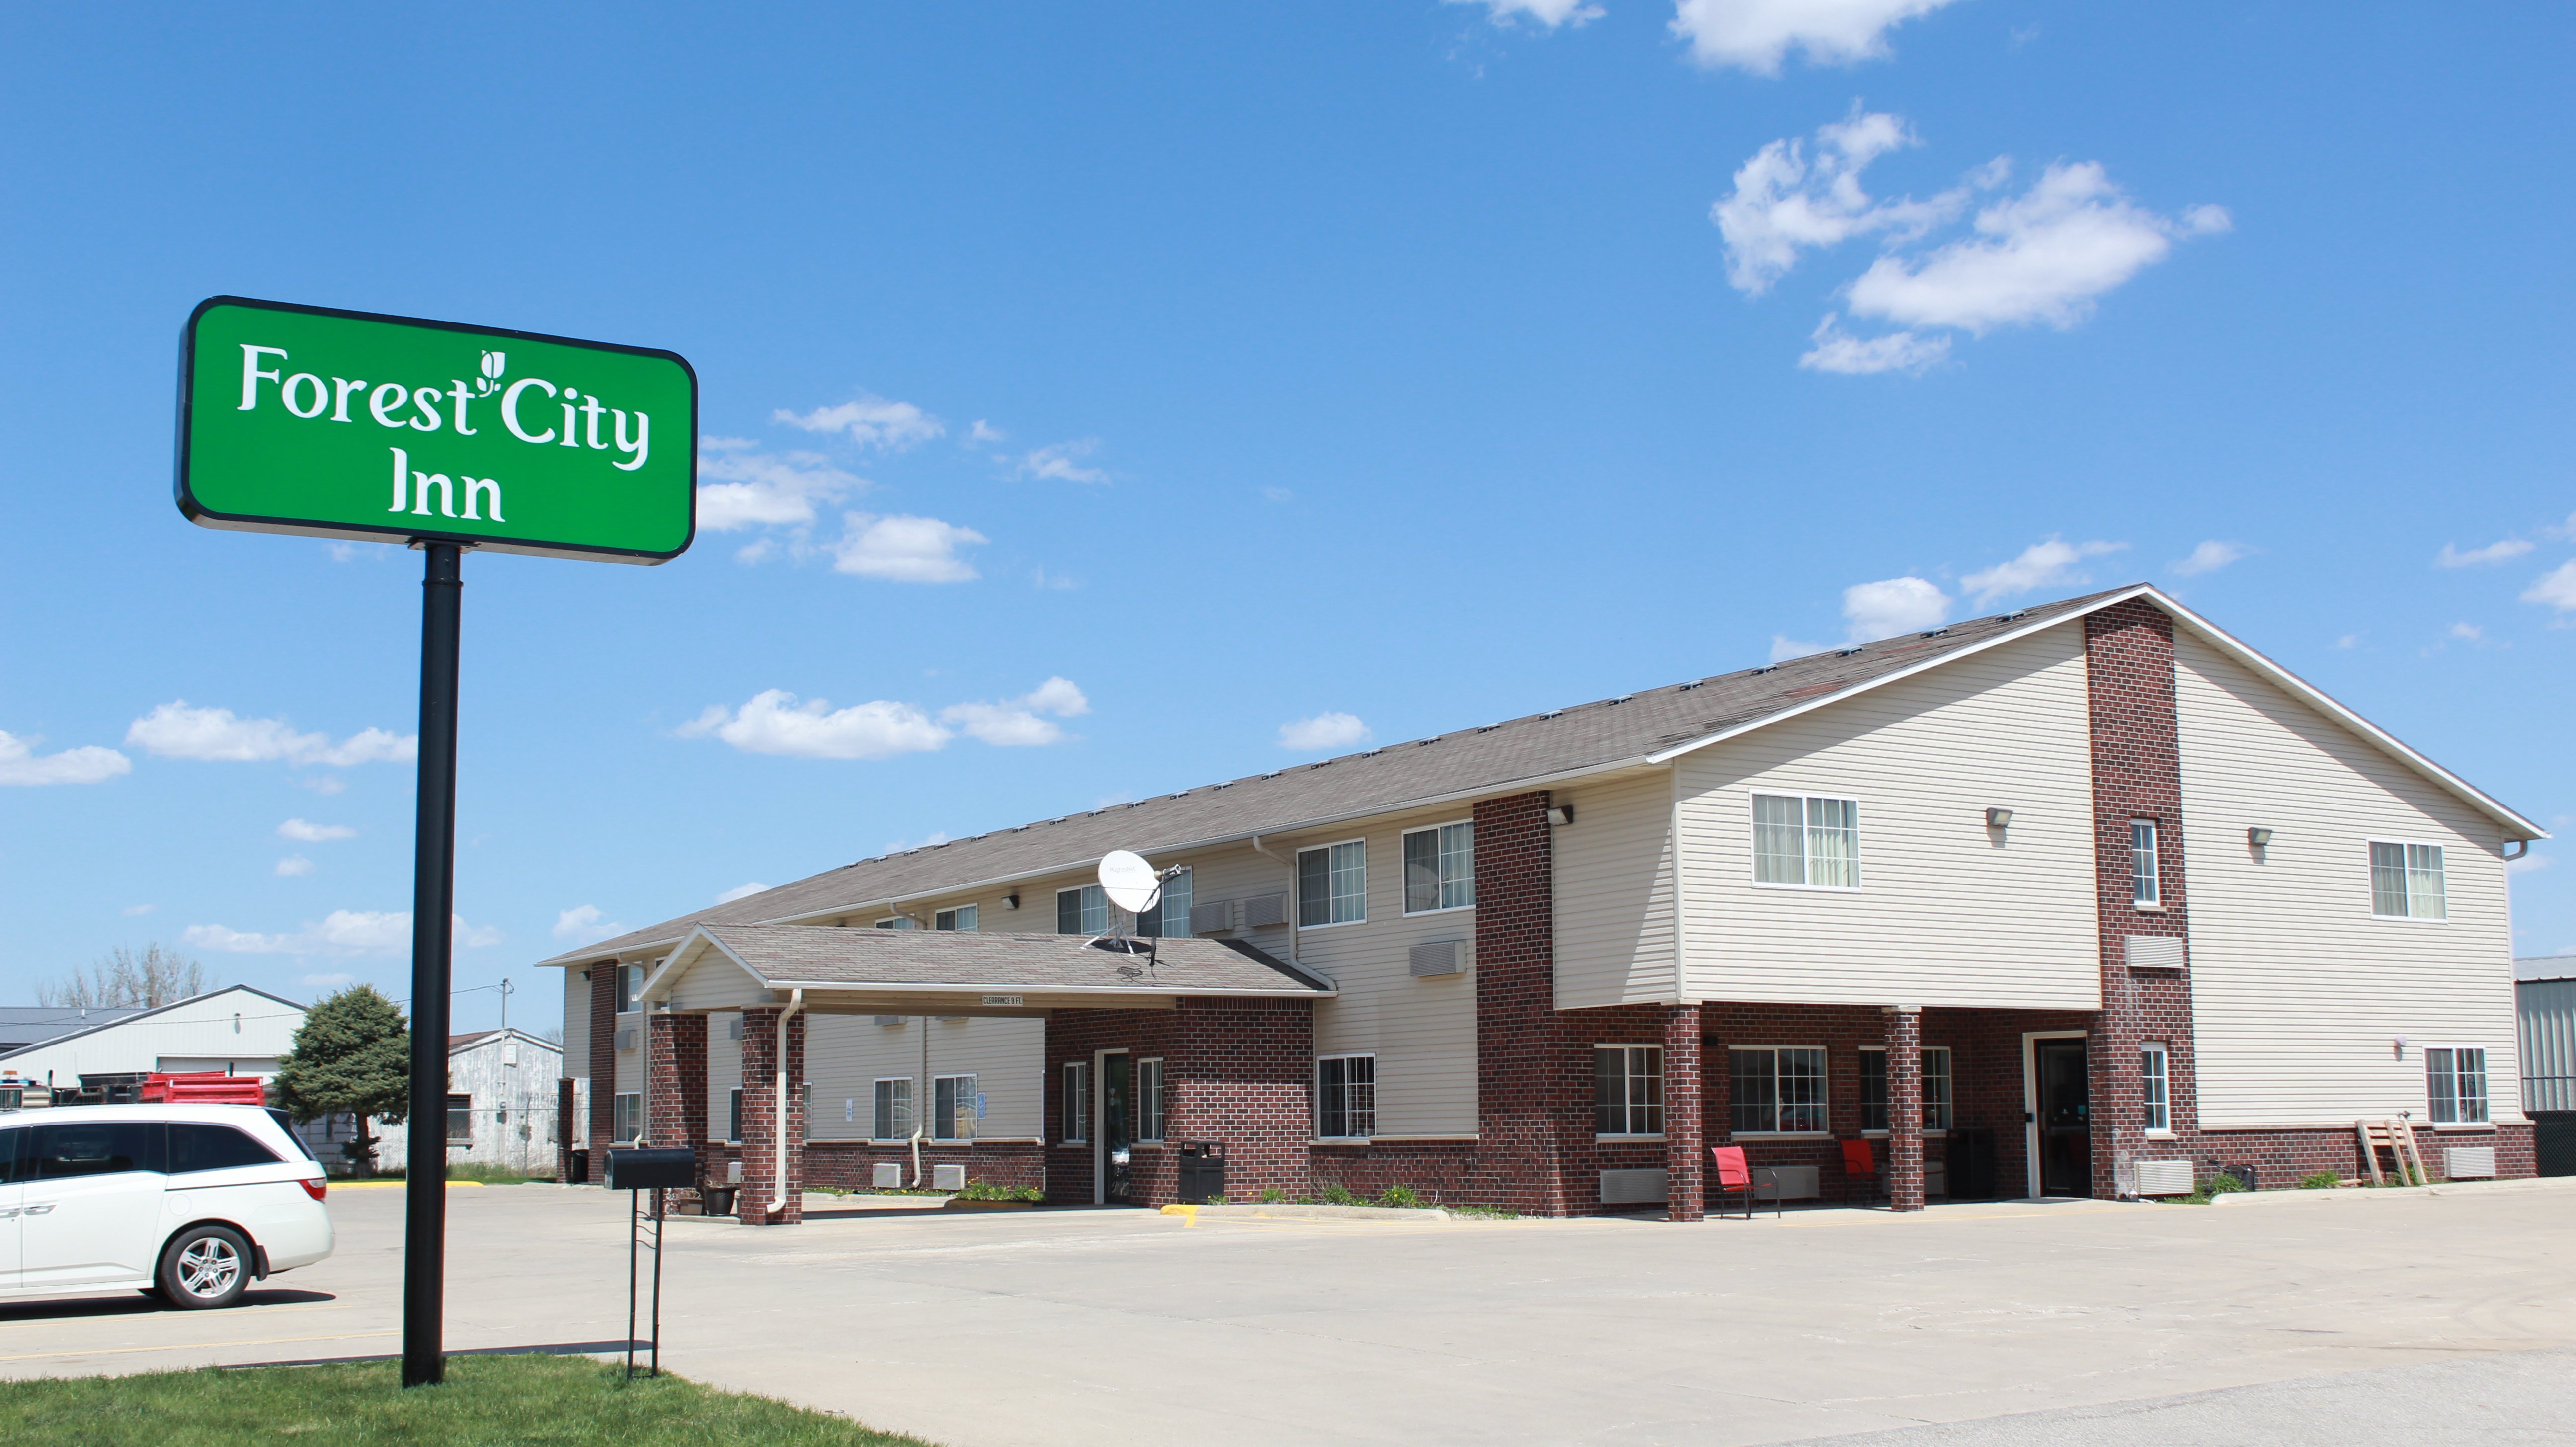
x=787, y=955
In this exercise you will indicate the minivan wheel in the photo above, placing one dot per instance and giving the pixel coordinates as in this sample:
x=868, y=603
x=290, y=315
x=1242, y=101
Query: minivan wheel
x=205, y=1266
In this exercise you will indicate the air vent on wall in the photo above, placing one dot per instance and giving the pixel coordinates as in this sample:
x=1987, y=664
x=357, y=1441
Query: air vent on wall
x=886, y=1175
x=889, y=1019
x=733, y=1028
x=2464, y=1163
x=626, y=1039
x=2164, y=1178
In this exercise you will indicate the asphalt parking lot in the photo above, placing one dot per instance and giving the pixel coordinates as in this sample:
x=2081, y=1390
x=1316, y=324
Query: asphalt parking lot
x=1123, y=1327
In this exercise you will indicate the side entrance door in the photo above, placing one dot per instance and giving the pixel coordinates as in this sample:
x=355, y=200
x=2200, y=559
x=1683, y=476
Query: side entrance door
x=1115, y=1070
x=2065, y=1102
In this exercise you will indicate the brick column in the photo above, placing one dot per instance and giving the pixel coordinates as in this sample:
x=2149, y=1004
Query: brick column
x=676, y=1100
x=764, y=1116
x=1685, y=1152
x=1905, y=1108
x=603, y=1063
x=1533, y=1088
x=566, y=1128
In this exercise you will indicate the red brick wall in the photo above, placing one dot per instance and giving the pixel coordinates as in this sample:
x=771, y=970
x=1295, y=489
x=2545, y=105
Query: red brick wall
x=1236, y=1072
x=1533, y=1096
x=763, y=1114
x=1685, y=1134
x=1903, y=1032
x=676, y=1095
x=603, y=1063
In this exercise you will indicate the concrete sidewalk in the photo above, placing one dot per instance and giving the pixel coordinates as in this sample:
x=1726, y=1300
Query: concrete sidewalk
x=1118, y=1327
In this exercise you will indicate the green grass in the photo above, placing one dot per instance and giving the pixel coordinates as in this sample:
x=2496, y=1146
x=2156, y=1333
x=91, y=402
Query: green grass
x=465, y=1171
x=507, y=1401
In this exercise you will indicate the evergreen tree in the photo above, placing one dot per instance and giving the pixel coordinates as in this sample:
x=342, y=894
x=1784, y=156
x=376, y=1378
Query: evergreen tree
x=353, y=1055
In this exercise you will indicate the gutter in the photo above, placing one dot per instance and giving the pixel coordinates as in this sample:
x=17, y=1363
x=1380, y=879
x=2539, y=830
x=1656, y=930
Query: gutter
x=1293, y=929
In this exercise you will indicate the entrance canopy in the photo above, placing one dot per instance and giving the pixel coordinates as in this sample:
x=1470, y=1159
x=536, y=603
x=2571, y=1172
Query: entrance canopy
x=938, y=972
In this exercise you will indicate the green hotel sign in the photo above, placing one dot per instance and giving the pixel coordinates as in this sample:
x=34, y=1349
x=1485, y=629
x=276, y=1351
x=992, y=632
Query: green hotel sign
x=338, y=424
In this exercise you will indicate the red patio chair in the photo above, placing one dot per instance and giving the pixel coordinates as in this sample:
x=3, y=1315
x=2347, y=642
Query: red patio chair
x=1735, y=1176
x=1860, y=1170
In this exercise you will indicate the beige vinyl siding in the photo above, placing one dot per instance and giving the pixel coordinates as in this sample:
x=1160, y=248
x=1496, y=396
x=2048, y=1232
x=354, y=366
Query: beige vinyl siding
x=2298, y=993
x=724, y=1072
x=845, y=1055
x=715, y=982
x=1422, y=1031
x=1945, y=914
x=576, y=1025
x=1614, y=892
x=630, y=1063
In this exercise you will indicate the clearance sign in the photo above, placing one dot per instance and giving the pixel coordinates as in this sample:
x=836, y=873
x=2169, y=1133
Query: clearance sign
x=297, y=419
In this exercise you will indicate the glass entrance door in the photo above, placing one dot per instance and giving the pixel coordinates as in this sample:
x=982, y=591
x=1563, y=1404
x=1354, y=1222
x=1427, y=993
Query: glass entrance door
x=1117, y=1088
x=2064, y=1094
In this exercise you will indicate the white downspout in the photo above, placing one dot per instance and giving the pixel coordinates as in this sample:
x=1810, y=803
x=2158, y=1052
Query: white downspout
x=921, y=1097
x=1291, y=866
x=795, y=1003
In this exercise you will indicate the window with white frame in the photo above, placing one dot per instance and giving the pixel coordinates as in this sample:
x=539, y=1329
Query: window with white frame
x=1346, y=1097
x=2456, y=1080
x=630, y=983
x=892, y=1120
x=1777, y=1089
x=1077, y=1101
x=1083, y=911
x=900, y=921
x=1149, y=1100
x=1440, y=868
x=733, y=1126
x=1332, y=884
x=963, y=917
x=626, y=1115
x=1170, y=917
x=1934, y=1073
x=1628, y=1090
x=2143, y=888
x=2154, y=1102
x=952, y=1107
x=1803, y=840
x=2406, y=881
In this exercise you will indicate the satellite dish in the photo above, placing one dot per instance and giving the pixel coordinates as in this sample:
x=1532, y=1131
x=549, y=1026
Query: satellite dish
x=1129, y=881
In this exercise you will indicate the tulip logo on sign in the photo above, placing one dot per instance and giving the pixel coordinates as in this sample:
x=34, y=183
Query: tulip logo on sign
x=344, y=424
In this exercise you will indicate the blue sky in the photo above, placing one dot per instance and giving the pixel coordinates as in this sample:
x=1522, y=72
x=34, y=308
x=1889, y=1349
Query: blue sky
x=1104, y=403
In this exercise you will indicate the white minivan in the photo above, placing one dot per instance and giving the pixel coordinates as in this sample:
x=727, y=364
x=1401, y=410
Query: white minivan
x=190, y=1203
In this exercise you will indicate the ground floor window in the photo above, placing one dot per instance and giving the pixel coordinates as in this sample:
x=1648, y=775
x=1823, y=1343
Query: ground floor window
x=1936, y=1087
x=1346, y=1097
x=893, y=1118
x=733, y=1122
x=1149, y=1100
x=626, y=1115
x=952, y=1108
x=1077, y=1101
x=460, y=1120
x=1628, y=1089
x=2456, y=1079
x=1777, y=1088
x=2155, y=1103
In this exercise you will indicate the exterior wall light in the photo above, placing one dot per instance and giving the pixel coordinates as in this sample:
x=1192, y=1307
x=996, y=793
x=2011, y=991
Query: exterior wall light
x=1999, y=818
x=2258, y=836
x=1561, y=814
x=1010, y=901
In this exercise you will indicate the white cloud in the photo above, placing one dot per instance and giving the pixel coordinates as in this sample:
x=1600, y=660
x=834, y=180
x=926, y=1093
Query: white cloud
x=1784, y=648
x=1784, y=203
x=743, y=891
x=756, y=489
x=132, y=910
x=2492, y=553
x=1057, y=460
x=2209, y=557
x=2042, y=257
x=325, y=785
x=1757, y=34
x=1323, y=731
x=2557, y=589
x=331, y=981
x=1836, y=350
x=774, y=723
x=2039, y=566
x=303, y=832
x=2469, y=632
x=2349, y=640
x=1550, y=13
x=1277, y=494
x=176, y=731
x=294, y=865
x=871, y=421
x=985, y=433
x=904, y=549
x=1015, y=722
x=1892, y=606
x=581, y=925
x=342, y=932
x=89, y=764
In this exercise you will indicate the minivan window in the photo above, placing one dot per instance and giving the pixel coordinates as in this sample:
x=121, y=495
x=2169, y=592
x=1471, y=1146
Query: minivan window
x=10, y=1141
x=94, y=1148
x=286, y=1123
x=196, y=1147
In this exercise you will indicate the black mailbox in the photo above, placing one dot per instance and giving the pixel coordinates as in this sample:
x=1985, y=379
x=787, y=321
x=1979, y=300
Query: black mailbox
x=644, y=1168
x=1202, y=1172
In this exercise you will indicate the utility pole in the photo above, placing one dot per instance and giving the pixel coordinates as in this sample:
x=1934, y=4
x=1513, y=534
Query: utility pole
x=506, y=988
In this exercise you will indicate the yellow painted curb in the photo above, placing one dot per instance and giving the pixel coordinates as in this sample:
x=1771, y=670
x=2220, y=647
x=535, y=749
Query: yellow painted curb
x=340, y=1185
x=1189, y=1214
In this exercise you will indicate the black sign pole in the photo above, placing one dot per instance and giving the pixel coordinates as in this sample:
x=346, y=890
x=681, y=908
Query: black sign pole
x=433, y=906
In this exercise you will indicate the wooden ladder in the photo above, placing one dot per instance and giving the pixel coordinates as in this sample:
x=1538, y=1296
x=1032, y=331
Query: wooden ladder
x=2398, y=1139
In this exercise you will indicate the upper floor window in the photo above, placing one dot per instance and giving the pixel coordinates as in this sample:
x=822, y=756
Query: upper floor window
x=630, y=983
x=1934, y=1073
x=1170, y=917
x=1628, y=1089
x=1805, y=840
x=2142, y=862
x=1440, y=868
x=961, y=918
x=900, y=921
x=1083, y=911
x=2406, y=881
x=1332, y=883
x=2456, y=1082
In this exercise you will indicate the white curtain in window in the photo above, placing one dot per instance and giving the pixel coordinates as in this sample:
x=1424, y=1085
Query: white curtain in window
x=1779, y=839
x=1833, y=843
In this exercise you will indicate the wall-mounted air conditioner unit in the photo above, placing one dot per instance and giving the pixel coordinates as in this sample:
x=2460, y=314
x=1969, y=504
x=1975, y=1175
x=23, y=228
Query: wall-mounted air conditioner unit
x=2164, y=1178
x=1441, y=957
x=886, y=1175
x=2468, y=1163
x=889, y=1019
x=1212, y=917
x=1633, y=1188
x=626, y=1038
x=948, y=1178
x=1264, y=910
x=733, y=1030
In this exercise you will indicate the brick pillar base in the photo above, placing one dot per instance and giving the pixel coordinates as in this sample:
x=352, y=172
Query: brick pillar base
x=1905, y=1108
x=676, y=1097
x=765, y=1116
x=603, y=1065
x=1684, y=1137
